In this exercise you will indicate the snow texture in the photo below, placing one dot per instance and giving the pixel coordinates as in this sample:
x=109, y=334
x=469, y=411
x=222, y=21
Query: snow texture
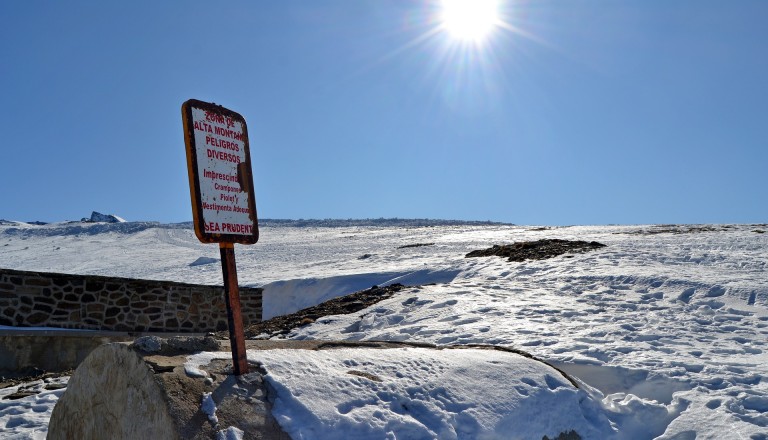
x=27, y=418
x=665, y=327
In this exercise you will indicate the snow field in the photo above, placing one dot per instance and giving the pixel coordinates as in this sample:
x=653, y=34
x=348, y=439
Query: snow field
x=27, y=418
x=666, y=331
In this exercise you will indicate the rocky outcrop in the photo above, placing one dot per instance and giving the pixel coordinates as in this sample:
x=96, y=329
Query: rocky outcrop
x=97, y=217
x=536, y=250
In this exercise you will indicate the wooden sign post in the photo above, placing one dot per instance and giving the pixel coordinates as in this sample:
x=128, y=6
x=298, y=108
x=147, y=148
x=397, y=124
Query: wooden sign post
x=223, y=201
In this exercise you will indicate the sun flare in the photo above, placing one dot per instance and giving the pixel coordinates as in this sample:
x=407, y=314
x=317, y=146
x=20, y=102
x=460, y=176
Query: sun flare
x=469, y=20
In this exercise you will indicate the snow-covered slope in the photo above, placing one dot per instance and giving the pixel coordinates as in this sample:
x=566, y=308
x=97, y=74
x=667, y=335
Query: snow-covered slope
x=668, y=324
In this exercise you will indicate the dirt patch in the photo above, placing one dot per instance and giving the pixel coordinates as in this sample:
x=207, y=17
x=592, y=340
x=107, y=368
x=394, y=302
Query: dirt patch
x=337, y=306
x=536, y=250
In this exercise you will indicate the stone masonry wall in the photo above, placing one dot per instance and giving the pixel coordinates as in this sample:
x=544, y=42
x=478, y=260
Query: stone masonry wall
x=117, y=304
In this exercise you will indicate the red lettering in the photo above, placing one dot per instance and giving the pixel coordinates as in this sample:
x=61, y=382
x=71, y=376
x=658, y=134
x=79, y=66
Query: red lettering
x=237, y=228
x=202, y=126
x=220, y=155
x=214, y=117
x=212, y=227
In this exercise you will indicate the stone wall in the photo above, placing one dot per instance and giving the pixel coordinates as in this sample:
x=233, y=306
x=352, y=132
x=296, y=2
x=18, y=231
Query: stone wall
x=117, y=304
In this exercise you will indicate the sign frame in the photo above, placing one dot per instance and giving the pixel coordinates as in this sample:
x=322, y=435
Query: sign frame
x=244, y=175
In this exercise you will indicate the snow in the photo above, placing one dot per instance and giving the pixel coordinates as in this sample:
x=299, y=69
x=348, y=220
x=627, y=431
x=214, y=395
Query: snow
x=665, y=328
x=284, y=297
x=203, y=261
x=208, y=406
x=231, y=433
x=421, y=393
x=27, y=418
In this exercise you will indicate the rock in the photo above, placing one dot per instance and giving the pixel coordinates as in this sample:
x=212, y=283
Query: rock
x=148, y=344
x=175, y=345
x=536, y=250
x=97, y=217
x=114, y=396
x=118, y=394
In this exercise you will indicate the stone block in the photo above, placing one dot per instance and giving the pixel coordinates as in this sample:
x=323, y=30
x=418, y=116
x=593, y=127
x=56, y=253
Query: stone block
x=94, y=285
x=92, y=323
x=60, y=282
x=40, y=282
x=97, y=316
x=43, y=308
x=95, y=308
x=37, y=318
x=28, y=291
x=68, y=306
x=45, y=300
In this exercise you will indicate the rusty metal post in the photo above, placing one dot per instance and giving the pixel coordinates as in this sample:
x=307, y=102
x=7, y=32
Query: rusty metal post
x=234, y=314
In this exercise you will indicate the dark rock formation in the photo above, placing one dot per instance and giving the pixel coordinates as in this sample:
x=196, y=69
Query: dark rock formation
x=536, y=250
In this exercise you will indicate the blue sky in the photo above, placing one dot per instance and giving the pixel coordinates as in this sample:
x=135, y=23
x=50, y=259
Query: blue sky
x=575, y=112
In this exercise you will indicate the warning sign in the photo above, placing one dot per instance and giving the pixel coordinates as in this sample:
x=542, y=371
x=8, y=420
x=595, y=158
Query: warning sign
x=220, y=178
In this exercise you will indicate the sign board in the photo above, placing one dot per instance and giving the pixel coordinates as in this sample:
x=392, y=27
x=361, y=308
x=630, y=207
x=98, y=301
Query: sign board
x=220, y=178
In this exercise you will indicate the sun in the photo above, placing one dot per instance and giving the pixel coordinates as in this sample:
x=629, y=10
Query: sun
x=469, y=20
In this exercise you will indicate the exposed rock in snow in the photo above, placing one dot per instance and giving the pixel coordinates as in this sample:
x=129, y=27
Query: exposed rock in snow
x=97, y=217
